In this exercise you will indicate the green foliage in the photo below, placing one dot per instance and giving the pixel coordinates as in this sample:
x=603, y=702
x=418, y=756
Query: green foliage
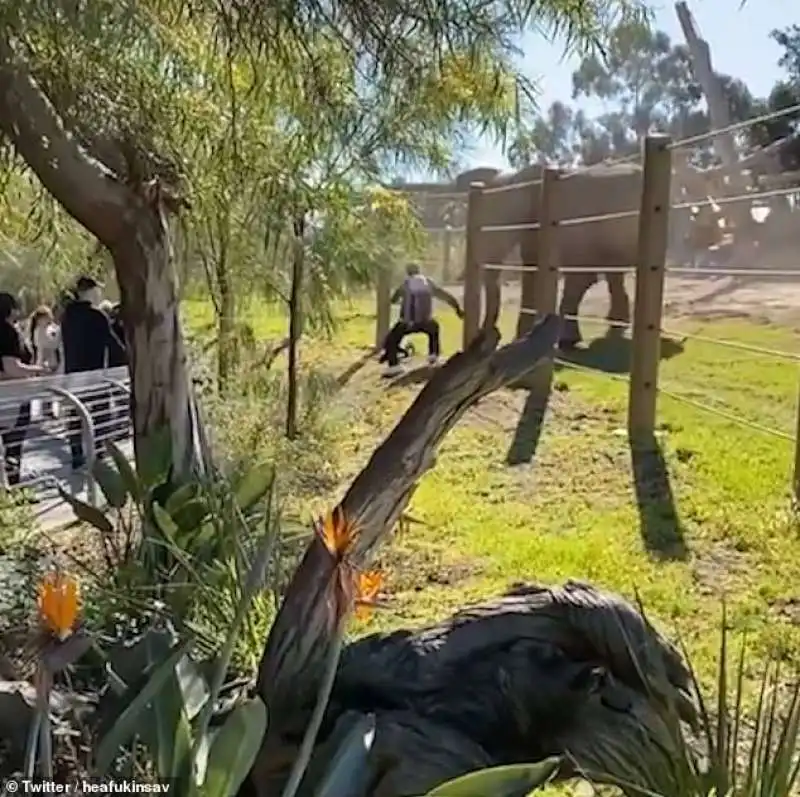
x=260, y=116
x=347, y=770
x=747, y=756
x=647, y=83
x=190, y=537
x=186, y=542
x=170, y=710
x=516, y=780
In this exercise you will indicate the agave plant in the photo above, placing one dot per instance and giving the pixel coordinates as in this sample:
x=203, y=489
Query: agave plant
x=188, y=540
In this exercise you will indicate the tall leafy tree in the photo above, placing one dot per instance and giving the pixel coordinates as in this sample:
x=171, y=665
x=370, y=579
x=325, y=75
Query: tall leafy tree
x=108, y=105
x=645, y=83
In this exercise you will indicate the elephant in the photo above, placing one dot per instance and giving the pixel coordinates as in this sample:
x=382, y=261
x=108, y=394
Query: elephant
x=612, y=243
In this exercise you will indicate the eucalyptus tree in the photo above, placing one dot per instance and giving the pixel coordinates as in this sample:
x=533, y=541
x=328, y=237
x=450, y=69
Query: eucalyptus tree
x=108, y=105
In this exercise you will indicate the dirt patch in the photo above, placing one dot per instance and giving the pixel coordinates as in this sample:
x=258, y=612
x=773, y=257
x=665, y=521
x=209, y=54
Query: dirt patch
x=717, y=568
x=413, y=565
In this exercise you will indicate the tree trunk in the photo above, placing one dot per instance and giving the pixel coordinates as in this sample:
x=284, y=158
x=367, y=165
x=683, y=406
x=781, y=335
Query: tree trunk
x=225, y=325
x=129, y=221
x=295, y=327
x=160, y=386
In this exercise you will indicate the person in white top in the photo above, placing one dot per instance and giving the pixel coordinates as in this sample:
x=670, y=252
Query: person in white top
x=46, y=346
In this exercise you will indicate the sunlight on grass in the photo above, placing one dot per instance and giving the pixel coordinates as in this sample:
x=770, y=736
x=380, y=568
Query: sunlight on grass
x=572, y=512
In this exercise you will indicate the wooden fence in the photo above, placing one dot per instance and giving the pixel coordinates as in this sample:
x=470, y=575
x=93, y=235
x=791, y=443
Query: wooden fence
x=539, y=285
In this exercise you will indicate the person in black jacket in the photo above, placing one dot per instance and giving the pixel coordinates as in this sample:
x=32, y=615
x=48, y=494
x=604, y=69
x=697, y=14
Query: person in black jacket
x=16, y=362
x=87, y=339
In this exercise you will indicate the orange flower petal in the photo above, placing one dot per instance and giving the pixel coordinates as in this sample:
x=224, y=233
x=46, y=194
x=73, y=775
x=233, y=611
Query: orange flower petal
x=335, y=532
x=58, y=603
x=366, y=587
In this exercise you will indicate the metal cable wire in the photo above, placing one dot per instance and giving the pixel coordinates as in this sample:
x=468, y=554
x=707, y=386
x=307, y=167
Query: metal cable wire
x=750, y=196
x=686, y=400
x=683, y=270
x=732, y=128
x=726, y=415
x=676, y=335
x=679, y=144
x=735, y=272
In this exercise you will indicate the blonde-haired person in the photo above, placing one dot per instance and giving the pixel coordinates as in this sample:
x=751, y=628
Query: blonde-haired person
x=46, y=346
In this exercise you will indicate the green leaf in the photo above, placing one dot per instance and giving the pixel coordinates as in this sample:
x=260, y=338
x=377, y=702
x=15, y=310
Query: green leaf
x=165, y=523
x=86, y=512
x=154, y=458
x=129, y=723
x=181, y=496
x=126, y=471
x=250, y=588
x=111, y=483
x=166, y=729
x=193, y=686
x=255, y=485
x=515, y=780
x=347, y=773
x=191, y=515
x=234, y=749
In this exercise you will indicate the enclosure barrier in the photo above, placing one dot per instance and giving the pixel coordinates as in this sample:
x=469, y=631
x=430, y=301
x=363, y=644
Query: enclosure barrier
x=539, y=283
x=47, y=413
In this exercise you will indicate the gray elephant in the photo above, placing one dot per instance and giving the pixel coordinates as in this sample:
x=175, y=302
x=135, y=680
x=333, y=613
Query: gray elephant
x=611, y=243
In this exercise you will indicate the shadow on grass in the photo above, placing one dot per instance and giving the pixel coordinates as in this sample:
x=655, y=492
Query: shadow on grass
x=352, y=370
x=415, y=376
x=659, y=522
x=612, y=353
x=529, y=427
x=609, y=354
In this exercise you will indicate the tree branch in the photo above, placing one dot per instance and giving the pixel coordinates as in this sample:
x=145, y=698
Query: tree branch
x=382, y=490
x=301, y=636
x=86, y=189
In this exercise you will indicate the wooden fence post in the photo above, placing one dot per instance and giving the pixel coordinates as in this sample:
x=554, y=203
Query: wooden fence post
x=650, y=272
x=446, y=254
x=383, y=308
x=540, y=287
x=473, y=265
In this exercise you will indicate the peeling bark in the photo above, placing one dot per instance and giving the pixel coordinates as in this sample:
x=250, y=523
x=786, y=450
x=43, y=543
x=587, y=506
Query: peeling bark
x=160, y=386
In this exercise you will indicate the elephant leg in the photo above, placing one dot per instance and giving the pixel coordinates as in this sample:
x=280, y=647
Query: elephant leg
x=575, y=288
x=619, y=307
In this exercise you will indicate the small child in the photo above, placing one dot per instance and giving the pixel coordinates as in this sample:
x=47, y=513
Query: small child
x=46, y=345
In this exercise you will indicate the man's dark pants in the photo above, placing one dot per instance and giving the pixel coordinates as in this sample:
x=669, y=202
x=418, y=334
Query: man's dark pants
x=12, y=443
x=403, y=328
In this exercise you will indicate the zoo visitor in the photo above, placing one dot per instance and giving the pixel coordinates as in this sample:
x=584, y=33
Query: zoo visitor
x=416, y=296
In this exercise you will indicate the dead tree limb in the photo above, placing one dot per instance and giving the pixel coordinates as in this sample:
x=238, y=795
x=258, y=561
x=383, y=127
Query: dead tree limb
x=384, y=487
x=301, y=637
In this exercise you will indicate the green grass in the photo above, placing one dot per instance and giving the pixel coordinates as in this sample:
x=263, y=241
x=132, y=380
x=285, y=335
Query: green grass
x=572, y=511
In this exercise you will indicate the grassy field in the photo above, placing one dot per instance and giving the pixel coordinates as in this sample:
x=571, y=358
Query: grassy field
x=711, y=521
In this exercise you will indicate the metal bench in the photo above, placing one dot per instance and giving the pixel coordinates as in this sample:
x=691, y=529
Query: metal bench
x=95, y=401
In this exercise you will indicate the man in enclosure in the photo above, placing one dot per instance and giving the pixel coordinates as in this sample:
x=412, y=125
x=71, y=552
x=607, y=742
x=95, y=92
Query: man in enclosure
x=88, y=340
x=416, y=296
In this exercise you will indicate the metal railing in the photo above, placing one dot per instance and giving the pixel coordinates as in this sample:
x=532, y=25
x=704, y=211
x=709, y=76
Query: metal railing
x=52, y=427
